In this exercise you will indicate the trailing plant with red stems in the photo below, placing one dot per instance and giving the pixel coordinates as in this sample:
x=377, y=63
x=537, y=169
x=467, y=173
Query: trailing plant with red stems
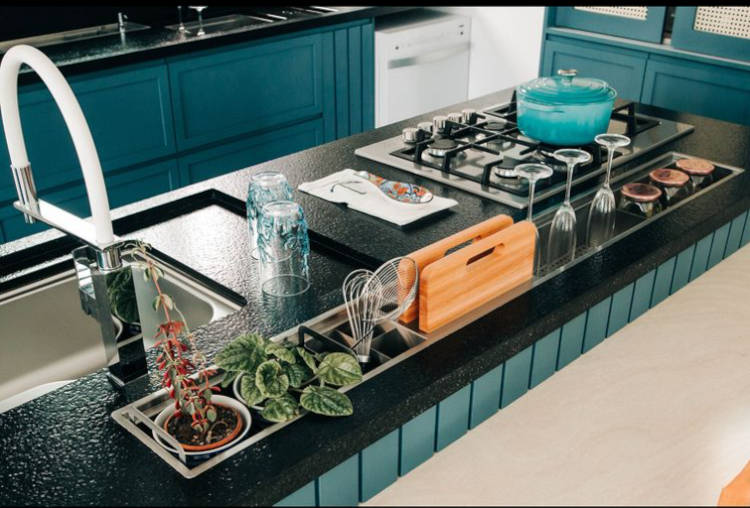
x=180, y=358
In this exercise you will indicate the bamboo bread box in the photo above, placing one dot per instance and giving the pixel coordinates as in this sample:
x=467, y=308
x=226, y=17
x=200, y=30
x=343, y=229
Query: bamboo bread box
x=463, y=280
x=439, y=249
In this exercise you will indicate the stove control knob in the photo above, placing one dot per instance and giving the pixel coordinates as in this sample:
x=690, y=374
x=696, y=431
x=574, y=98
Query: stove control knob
x=412, y=135
x=425, y=126
x=455, y=117
x=438, y=123
x=469, y=116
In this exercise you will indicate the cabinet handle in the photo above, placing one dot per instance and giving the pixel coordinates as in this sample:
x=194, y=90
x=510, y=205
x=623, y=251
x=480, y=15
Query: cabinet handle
x=432, y=56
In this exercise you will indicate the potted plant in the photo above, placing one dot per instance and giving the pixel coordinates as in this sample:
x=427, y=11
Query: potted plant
x=279, y=380
x=199, y=420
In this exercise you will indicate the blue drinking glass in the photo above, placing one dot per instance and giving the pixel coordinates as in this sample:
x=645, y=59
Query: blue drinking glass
x=284, y=248
x=265, y=187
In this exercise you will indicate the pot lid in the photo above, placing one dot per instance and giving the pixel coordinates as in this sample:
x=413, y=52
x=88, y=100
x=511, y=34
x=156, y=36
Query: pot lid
x=566, y=88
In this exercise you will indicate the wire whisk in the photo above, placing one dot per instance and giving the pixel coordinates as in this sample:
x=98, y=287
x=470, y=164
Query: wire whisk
x=372, y=297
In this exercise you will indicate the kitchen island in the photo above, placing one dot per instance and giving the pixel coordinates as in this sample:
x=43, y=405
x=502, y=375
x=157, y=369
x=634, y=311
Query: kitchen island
x=63, y=448
x=655, y=415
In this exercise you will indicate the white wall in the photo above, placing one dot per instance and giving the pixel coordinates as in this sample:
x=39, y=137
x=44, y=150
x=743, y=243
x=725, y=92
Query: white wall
x=505, y=46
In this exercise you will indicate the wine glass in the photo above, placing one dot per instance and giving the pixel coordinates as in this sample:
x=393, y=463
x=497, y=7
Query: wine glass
x=562, y=233
x=534, y=172
x=601, y=222
x=199, y=9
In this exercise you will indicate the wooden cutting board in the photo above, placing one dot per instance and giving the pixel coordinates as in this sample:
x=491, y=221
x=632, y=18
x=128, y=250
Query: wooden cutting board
x=438, y=250
x=473, y=275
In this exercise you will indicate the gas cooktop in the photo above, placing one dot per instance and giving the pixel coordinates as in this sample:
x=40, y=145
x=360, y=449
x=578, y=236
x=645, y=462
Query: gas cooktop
x=478, y=151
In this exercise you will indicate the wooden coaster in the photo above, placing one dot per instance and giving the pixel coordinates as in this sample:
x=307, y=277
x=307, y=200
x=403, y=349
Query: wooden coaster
x=697, y=167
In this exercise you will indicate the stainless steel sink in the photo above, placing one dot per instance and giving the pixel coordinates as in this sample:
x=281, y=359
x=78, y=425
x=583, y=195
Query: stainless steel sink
x=78, y=34
x=222, y=24
x=46, y=339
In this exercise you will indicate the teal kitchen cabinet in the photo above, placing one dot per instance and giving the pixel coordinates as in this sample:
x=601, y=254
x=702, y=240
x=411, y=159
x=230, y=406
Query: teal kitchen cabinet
x=123, y=187
x=703, y=69
x=128, y=112
x=621, y=68
x=207, y=113
x=232, y=92
x=720, y=31
x=704, y=89
x=251, y=150
x=642, y=23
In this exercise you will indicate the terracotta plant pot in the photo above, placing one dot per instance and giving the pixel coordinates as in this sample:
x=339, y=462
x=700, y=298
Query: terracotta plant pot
x=244, y=422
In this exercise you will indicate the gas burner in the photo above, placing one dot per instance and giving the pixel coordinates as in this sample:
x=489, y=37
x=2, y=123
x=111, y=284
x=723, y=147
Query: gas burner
x=495, y=126
x=506, y=172
x=507, y=168
x=440, y=147
x=454, y=161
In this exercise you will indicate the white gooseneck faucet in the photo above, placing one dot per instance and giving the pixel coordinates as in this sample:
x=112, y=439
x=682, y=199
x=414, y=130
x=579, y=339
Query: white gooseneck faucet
x=98, y=231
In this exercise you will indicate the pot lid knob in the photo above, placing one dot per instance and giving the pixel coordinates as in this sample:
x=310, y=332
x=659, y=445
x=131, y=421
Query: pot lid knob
x=567, y=72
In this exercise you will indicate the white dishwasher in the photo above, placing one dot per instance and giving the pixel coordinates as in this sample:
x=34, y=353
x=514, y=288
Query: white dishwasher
x=421, y=64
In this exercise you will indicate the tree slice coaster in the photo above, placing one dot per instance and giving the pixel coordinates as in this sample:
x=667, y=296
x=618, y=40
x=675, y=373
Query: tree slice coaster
x=641, y=192
x=698, y=167
x=669, y=177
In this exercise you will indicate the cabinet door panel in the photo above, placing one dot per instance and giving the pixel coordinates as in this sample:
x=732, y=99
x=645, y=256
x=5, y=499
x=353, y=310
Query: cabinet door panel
x=622, y=69
x=703, y=89
x=713, y=30
x=253, y=150
x=243, y=90
x=128, y=112
x=642, y=23
x=122, y=188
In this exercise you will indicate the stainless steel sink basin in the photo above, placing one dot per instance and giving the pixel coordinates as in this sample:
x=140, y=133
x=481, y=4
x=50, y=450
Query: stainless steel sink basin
x=46, y=339
x=222, y=24
x=78, y=34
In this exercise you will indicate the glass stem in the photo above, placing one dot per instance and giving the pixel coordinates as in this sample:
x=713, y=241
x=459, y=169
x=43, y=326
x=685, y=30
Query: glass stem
x=571, y=166
x=532, y=185
x=610, y=156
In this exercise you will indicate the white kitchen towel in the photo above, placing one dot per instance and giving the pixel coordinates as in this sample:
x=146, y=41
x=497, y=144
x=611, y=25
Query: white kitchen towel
x=370, y=199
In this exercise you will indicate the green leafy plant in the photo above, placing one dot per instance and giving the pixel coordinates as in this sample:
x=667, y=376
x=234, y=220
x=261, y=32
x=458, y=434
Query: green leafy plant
x=282, y=377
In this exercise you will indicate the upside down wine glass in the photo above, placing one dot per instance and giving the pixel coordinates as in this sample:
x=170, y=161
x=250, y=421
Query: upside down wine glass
x=534, y=172
x=562, y=232
x=601, y=222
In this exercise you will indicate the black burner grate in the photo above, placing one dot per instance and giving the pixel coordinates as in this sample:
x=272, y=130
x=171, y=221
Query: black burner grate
x=492, y=136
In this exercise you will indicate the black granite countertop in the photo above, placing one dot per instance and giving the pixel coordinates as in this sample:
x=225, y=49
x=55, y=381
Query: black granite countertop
x=159, y=42
x=63, y=448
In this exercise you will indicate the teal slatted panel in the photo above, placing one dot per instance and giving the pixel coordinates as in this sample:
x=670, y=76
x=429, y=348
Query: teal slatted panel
x=663, y=282
x=305, y=496
x=485, y=396
x=682, y=269
x=355, y=79
x=453, y=417
x=544, y=358
x=735, y=234
x=718, y=245
x=341, y=51
x=378, y=465
x=642, y=293
x=368, y=76
x=516, y=376
x=746, y=232
x=417, y=440
x=340, y=485
x=571, y=340
x=329, y=88
x=596, y=324
x=700, y=257
x=620, y=309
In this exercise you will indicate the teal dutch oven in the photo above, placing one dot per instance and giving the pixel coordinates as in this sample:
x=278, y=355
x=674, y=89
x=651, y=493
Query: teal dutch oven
x=564, y=110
